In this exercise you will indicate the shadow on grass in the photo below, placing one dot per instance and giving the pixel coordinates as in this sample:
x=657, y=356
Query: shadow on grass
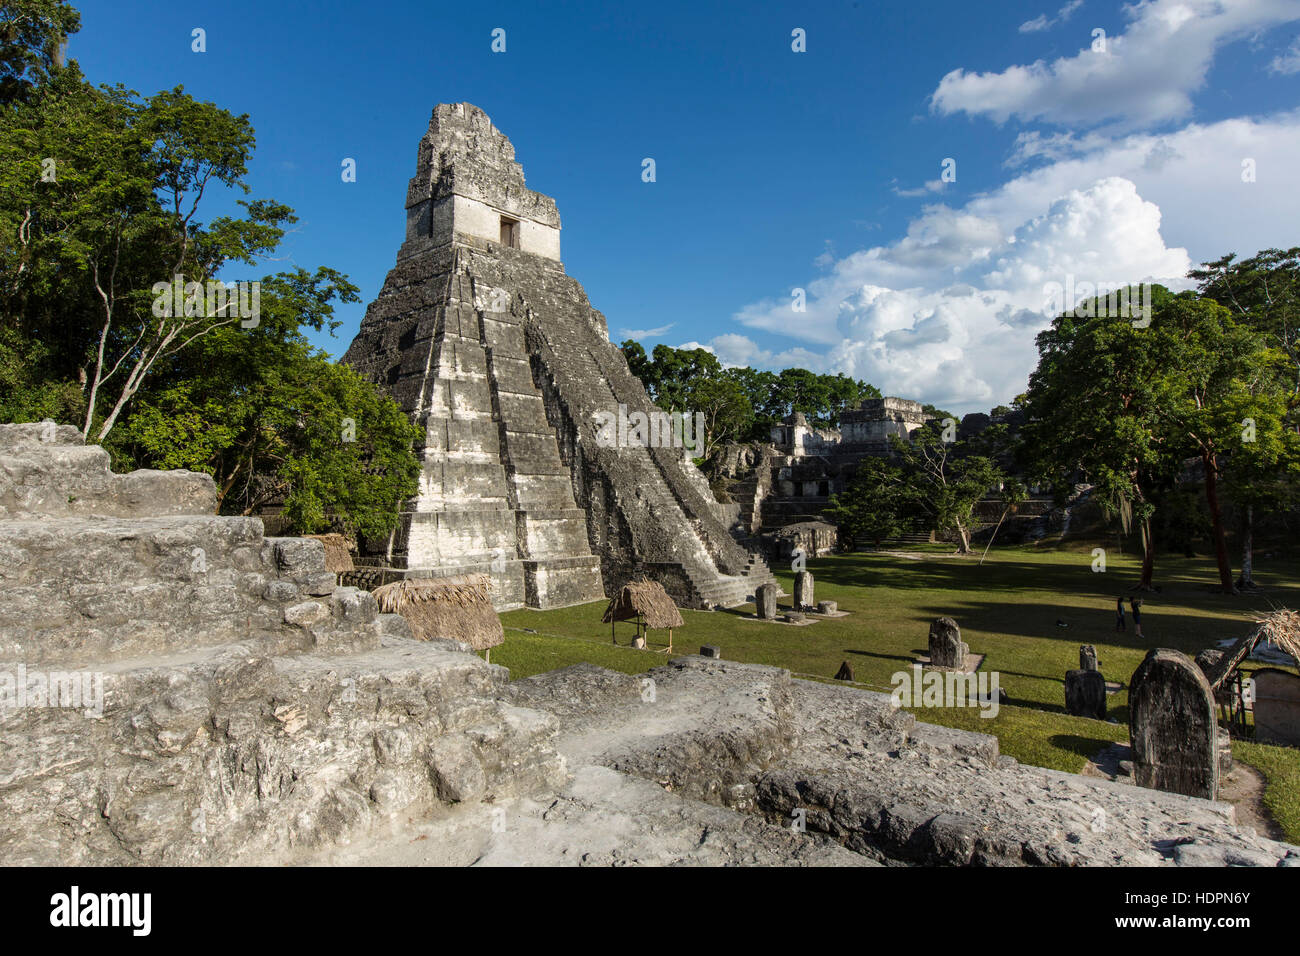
x=1086, y=747
x=883, y=657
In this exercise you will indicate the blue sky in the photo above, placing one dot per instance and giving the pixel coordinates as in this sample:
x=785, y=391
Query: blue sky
x=776, y=169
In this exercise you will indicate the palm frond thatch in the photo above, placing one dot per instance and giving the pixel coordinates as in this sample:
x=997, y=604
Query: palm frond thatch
x=1281, y=628
x=457, y=607
x=646, y=599
x=338, y=559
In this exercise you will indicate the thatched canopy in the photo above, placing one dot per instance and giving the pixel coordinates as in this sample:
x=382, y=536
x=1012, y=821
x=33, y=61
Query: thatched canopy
x=1281, y=629
x=338, y=559
x=457, y=607
x=646, y=599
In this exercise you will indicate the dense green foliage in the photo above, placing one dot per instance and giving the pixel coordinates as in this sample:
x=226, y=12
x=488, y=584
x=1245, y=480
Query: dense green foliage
x=741, y=403
x=101, y=195
x=1138, y=411
x=928, y=483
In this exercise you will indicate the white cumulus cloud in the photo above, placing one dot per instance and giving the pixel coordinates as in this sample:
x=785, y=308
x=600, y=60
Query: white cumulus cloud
x=947, y=313
x=1146, y=74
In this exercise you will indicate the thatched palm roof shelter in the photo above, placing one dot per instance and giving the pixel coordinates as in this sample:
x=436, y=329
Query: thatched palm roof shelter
x=1280, y=628
x=648, y=605
x=457, y=607
x=1222, y=668
x=338, y=559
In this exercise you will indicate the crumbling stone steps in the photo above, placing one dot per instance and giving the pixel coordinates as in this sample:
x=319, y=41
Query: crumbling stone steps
x=230, y=756
x=215, y=696
x=657, y=507
x=603, y=818
x=45, y=470
x=870, y=776
x=79, y=589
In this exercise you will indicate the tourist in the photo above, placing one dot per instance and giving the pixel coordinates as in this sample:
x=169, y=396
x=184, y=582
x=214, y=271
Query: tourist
x=1136, y=605
x=1119, y=613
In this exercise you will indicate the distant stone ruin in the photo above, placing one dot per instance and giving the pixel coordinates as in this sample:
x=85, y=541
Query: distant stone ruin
x=787, y=483
x=496, y=353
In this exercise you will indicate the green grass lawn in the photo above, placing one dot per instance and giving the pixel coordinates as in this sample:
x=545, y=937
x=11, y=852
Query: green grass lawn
x=1008, y=609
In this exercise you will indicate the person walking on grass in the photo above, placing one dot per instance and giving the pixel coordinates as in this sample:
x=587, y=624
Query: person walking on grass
x=1119, y=613
x=1136, y=605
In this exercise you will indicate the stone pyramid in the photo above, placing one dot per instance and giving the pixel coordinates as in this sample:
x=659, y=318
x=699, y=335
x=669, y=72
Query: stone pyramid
x=481, y=336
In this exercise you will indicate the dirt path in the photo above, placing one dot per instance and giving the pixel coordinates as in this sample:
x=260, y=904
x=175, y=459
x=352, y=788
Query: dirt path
x=1243, y=787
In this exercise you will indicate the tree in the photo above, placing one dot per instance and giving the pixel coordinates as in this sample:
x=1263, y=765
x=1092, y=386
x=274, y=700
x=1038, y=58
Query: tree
x=1099, y=403
x=758, y=387
x=274, y=421
x=726, y=410
x=32, y=35
x=1013, y=495
x=1263, y=293
x=639, y=364
x=844, y=393
x=117, y=217
x=1213, y=362
x=945, y=484
x=873, y=506
x=100, y=192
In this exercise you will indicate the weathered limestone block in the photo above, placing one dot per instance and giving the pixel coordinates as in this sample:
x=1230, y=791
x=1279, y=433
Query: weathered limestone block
x=1173, y=726
x=765, y=601
x=803, y=591
x=947, y=649
x=298, y=558
x=230, y=703
x=827, y=607
x=1085, y=693
x=45, y=470
x=1088, y=658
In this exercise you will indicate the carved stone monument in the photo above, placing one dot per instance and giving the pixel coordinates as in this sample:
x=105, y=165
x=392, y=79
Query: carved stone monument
x=947, y=649
x=1173, y=727
x=1085, y=693
x=803, y=591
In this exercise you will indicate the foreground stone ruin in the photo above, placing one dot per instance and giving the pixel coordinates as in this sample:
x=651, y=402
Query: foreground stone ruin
x=252, y=712
x=706, y=762
x=231, y=703
x=480, y=335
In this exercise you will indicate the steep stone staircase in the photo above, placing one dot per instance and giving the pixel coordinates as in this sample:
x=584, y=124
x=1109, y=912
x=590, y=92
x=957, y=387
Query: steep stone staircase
x=651, y=510
x=176, y=688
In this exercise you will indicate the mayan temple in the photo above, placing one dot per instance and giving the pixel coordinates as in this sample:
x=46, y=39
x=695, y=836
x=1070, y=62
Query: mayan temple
x=481, y=336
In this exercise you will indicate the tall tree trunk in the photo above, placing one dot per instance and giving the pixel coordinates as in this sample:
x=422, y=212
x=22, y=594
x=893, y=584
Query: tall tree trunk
x=1216, y=522
x=1247, y=579
x=963, y=539
x=1148, y=557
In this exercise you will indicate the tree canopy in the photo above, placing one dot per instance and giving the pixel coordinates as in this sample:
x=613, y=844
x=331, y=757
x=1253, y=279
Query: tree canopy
x=116, y=307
